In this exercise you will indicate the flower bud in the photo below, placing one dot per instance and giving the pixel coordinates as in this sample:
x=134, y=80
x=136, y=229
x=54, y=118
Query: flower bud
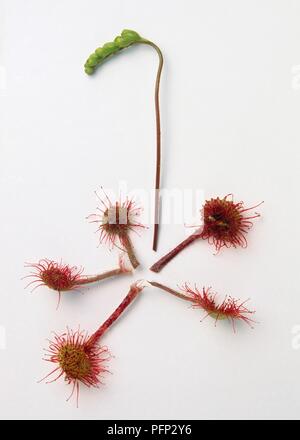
x=109, y=49
x=99, y=52
x=118, y=41
x=92, y=60
x=130, y=37
x=89, y=70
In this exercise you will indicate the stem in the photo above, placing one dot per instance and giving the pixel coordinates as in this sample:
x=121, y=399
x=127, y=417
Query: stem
x=158, y=142
x=135, y=289
x=169, y=290
x=160, y=264
x=101, y=276
x=90, y=67
x=125, y=240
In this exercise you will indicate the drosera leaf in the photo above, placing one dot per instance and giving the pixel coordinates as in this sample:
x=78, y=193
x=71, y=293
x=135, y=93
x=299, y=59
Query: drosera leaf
x=126, y=39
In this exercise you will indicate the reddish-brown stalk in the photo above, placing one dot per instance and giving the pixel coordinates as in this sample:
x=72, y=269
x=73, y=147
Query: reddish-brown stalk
x=63, y=278
x=224, y=225
x=78, y=357
x=135, y=289
x=158, y=145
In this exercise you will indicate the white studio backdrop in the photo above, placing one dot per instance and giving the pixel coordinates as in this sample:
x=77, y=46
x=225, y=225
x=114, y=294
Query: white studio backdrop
x=230, y=102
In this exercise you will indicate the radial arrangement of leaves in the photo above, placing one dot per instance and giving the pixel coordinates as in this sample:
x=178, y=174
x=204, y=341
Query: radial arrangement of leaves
x=79, y=358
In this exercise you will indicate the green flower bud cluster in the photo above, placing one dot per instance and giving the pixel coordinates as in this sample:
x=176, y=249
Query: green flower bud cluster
x=126, y=39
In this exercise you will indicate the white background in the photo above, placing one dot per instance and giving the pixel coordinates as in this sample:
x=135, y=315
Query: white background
x=230, y=102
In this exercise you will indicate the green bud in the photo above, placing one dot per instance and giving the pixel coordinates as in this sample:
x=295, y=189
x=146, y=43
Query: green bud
x=118, y=41
x=89, y=70
x=127, y=38
x=99, y=52
x=125, y=43
x=109, y=49
x=92, y=60
x=130, y=36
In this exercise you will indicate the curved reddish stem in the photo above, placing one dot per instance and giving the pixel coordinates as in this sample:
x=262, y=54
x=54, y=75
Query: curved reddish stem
x=161, y=263
x=158, y=148
x=169, y=290
x=101, y=276
x=158, y=140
